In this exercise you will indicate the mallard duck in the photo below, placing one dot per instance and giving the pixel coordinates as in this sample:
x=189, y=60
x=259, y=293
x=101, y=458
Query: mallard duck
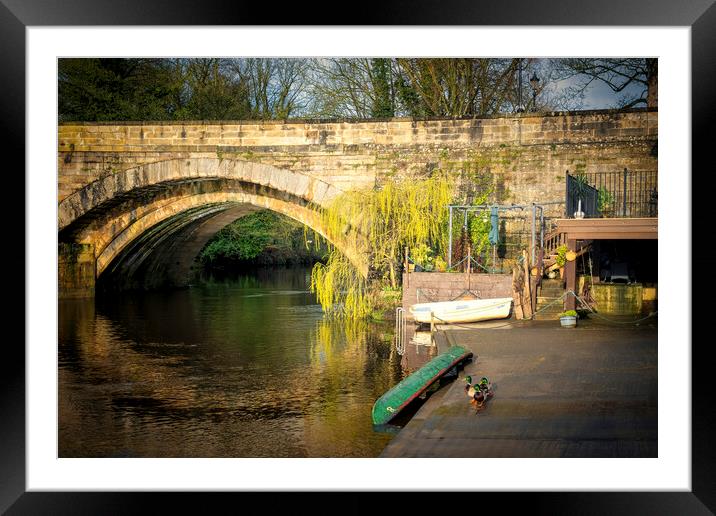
x=469, y=388
x=483, y=390
x=485, y=385
x=478, y=397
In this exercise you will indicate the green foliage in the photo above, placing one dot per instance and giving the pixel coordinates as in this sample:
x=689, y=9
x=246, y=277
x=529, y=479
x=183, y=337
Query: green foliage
x=475, y=187
x=409, y=97
x=179, y=89
x=381, y=223
x=561, y=255
x=116, y=89
x=383, y=106
x=480, y=231
x=423, y=255
x=604, y=199
x=261, y=238
x=568, y=313
x=580, y=184
x=340, y=288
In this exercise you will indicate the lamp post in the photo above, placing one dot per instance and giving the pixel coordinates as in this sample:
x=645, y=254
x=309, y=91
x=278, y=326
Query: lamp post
x=534, y=82
x=519, y=87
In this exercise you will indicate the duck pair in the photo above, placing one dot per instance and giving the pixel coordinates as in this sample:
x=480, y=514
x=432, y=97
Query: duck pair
x=478, y=392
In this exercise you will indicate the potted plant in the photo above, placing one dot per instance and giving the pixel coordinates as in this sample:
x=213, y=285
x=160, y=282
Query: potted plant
x=561, y=259
x=605, y=199
x=580, y=185
x=568, y=319
x=579, y=214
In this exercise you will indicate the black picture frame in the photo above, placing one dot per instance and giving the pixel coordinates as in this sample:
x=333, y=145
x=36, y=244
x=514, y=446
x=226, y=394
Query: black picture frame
x=699, y=15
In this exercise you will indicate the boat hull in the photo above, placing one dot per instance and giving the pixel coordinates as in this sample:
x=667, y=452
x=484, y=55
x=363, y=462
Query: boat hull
x=465, y=311
x=396, y=399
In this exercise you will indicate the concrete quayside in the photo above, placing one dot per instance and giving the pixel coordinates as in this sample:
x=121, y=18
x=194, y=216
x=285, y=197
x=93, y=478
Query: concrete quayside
x=589, y=391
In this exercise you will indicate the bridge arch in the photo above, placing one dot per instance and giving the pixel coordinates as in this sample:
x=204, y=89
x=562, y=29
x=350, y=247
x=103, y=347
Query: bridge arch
x=125, y=216
x=182, y=170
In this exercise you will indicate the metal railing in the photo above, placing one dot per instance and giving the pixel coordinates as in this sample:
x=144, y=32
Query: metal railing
x=552, y=241
x=400, y=335
x=612, y=194
x=533, y=212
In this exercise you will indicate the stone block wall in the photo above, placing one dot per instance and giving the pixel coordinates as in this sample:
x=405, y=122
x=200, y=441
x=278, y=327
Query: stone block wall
x=76, y=271
x=618, y=299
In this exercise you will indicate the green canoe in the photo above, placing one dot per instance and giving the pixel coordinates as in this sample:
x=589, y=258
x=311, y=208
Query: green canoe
x=392, y=402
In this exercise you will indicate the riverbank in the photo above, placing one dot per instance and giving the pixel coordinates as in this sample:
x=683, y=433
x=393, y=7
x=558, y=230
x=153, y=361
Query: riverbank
x=589, y=391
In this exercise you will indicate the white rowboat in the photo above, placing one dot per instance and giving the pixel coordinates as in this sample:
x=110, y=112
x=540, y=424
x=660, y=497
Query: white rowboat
x=464, y=311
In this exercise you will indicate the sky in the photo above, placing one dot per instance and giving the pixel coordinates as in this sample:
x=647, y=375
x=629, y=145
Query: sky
x=598, y=94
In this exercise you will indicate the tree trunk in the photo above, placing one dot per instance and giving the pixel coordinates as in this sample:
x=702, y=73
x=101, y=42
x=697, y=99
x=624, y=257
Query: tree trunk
x=391, y=261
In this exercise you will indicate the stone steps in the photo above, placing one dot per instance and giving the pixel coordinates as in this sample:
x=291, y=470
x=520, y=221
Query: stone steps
x=549, y=314
x=550, y=290
x=545, y=300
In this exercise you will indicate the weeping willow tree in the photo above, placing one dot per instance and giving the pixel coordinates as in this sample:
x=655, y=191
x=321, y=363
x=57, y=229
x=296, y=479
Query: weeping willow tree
x=381, y=223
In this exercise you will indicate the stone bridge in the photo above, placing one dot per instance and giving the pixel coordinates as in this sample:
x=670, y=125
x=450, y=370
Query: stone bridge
x=137, y=201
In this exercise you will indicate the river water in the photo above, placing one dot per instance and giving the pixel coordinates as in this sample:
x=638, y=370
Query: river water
x=244, y=366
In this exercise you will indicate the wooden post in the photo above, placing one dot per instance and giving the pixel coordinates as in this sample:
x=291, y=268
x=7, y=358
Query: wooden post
x=449, y=260
x=526, y=293
x=407, y=267
x=570, y=270
x=516, y=288
x=469, y=260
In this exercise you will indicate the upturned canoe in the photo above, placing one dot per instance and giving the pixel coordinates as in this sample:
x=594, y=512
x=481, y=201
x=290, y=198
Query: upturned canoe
x=397, y=398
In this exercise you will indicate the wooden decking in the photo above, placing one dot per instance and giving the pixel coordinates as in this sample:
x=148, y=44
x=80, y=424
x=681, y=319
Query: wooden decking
x=574, y=230
x=609, y=229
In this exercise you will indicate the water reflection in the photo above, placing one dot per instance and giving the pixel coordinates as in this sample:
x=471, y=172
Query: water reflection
x=242, y=366
x=421, y=347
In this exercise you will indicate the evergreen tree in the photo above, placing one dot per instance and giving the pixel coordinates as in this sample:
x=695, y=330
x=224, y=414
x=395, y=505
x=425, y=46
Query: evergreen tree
x=115, y=89
x=383, y=106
